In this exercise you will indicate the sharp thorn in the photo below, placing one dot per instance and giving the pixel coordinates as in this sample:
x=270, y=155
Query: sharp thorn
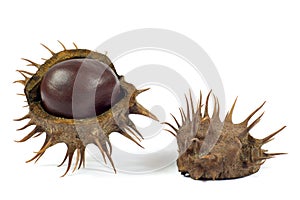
x=230, y=113
x=27, y=116
x=133, y=127
x=139, y=109
x=254, y=122
x=124, y=133
x=48, y=49
x=177, y=123
x=175, y=129
x=110, y=147
x=200, y=104
x=183, y=117
x=77, y=160
x=269, y=137
x=38, y=157
x=38, y=134
x=30, y=123
x=276, y=154
x=206, y=104
x=192, y=104
x=216, y=111
x=33, y=158
x=63, y=46
x=142, y=90
x=187, y=109
x=97, y=142
x=133, y=133
x=170, y=132
x=111, y=162
x=82, y=158
x=30, y=135
x=245, y=122
x=69, y=163
x=31, y=63
x=46, y=145
x=64, y=160
x=23, y=82
x=25, y=72
x=76, y=47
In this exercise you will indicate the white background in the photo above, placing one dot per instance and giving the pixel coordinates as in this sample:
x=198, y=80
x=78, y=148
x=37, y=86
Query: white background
x=254, y=44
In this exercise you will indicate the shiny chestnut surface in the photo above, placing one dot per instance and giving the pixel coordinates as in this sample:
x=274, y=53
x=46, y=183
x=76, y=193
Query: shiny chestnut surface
x=79, y=88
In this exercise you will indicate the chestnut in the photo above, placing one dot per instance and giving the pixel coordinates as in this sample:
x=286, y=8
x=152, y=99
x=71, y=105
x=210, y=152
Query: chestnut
x=87, y=85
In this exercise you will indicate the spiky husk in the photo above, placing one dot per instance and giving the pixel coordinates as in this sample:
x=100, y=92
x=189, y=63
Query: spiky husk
x=213, y=149
x=78, y=133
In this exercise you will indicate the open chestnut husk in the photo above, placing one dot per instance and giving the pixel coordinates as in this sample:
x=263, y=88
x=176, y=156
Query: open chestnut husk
x=76, y=97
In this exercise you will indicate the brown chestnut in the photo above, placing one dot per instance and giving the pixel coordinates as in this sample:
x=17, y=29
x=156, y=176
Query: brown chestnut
x=79, y=88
